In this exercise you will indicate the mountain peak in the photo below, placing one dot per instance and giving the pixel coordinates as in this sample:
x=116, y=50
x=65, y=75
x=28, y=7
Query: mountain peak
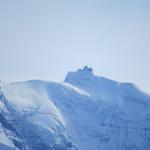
x=85, y=73
x=87, y=68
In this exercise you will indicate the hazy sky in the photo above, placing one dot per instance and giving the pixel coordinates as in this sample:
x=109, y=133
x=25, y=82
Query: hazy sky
x=44, y=39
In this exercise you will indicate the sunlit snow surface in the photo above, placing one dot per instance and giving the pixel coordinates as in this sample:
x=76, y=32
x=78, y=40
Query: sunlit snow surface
x=85, y=112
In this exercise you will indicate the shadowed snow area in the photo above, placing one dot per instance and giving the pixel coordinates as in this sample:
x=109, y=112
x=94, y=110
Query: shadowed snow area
x=85, y=112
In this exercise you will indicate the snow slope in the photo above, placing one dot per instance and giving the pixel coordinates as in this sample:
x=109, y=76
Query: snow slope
x=85, y=112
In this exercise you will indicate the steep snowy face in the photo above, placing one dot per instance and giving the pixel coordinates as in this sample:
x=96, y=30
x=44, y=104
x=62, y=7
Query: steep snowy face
x=85, y=112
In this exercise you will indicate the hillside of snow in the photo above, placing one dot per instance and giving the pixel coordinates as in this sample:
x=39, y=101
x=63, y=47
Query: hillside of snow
x=85, y=112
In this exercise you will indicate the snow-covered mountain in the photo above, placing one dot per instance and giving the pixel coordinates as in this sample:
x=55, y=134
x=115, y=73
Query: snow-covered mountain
x=85, y=112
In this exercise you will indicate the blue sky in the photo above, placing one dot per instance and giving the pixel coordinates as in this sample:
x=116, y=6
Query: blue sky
x=45, y=39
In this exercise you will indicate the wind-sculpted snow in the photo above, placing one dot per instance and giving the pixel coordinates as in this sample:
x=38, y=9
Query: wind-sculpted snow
x=85, y=112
